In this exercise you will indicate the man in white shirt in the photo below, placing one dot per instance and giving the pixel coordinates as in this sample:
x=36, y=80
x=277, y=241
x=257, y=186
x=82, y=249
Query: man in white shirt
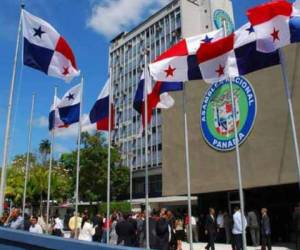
x=220, y=223
x=35, y=227
x=237, y=229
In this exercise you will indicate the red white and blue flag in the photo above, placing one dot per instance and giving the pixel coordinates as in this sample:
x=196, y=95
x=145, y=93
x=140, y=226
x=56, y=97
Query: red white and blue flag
x=157, y=96
x=46, y=50
x=233, y=56
x=99, y=114
x=276, y=24
x=179, y=63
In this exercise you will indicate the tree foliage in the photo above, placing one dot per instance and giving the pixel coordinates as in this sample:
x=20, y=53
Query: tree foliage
x=37, y=185
x=93, y=169
x=93, y=173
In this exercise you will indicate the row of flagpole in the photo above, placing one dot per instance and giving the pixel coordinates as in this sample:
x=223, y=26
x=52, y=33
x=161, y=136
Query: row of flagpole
x=7, y=139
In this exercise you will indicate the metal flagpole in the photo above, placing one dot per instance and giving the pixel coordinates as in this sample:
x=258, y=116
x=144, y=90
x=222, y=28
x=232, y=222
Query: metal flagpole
x=8, y=120
x=108, y=157
x=290, y=106
x=238, y=160
x=78, y=159
x=130, y=178
x=238, y=163
x=28, y=155
x=146, y=153
x=187, y=162
x=50, y=166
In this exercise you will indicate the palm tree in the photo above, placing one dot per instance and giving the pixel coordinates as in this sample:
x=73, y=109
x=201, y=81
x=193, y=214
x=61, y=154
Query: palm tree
x=44, y=149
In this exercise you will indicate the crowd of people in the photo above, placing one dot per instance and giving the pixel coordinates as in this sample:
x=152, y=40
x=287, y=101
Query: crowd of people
x=166, y=230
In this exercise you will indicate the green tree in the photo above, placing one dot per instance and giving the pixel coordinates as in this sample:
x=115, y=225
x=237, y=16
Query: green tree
x=93, y=169
x=15, y=177
x=37, y=186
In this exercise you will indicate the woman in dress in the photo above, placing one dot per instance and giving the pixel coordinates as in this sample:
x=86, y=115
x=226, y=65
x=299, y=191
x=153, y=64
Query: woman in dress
x=179, y=233
x=86, y=230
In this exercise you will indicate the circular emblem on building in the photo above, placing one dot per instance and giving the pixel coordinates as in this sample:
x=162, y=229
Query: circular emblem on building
x=217, y=113
x=219, y=16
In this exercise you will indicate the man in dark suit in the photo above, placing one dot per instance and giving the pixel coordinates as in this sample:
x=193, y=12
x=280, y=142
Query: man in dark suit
x=126, y=232
x=162, y=231
x=211, y=229
x=265, y=230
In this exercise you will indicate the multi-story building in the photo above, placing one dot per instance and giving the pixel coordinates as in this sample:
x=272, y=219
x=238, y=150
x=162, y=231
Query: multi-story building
x=180, y=18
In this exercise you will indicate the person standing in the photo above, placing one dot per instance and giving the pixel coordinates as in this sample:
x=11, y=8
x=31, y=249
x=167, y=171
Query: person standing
x=27, y=222
x=237, y=229
x=126, y=232
x=35, y=227
x=296, y=220
x=86, y=229
x=227, y=227
x=163, y=231
x=152, y=229
x=15, y=220
x=113, y=234
x=254, y=228
x=179, y=233
x=265, y=230
x=73, y=227
x=211, y=229
x=58, y=226
x=98, y=224
x=141, y=230
x=220, y=223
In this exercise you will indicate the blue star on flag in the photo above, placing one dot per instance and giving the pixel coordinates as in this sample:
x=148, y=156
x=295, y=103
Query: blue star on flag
x=207, y=39
x=38, y=32
x=250, y=29
x=70, y=97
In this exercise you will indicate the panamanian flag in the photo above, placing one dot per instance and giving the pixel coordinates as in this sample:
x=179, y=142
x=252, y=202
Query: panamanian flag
x=179, y=63
x=99, y=114
x=46, y=50
x=276, y=24
x=157, y=95
x=233, y=55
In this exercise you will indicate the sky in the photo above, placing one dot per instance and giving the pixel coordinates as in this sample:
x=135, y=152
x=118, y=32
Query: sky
x=88, y=26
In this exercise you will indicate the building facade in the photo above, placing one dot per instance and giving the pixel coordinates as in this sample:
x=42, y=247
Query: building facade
x=178, y=19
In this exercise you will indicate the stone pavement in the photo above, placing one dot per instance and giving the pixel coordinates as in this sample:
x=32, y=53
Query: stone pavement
x=201, y=246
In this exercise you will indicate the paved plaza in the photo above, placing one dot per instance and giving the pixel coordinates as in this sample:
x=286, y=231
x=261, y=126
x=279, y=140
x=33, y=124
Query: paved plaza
x=201, y=246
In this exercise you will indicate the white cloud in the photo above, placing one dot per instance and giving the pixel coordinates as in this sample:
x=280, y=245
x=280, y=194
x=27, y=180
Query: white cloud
x=111, y=17
x=41, y=122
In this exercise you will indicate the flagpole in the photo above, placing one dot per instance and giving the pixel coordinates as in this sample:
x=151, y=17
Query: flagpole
x=50, y=166
x=78, y=159
x=130, y=188
x=238, y=160
x=187, y=163
x=28, y=155
x=146, y=154
x=8, y=119
x=108, y=157
x=290, y=106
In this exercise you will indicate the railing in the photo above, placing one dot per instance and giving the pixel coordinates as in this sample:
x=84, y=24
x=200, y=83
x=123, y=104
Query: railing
x=20, y=240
